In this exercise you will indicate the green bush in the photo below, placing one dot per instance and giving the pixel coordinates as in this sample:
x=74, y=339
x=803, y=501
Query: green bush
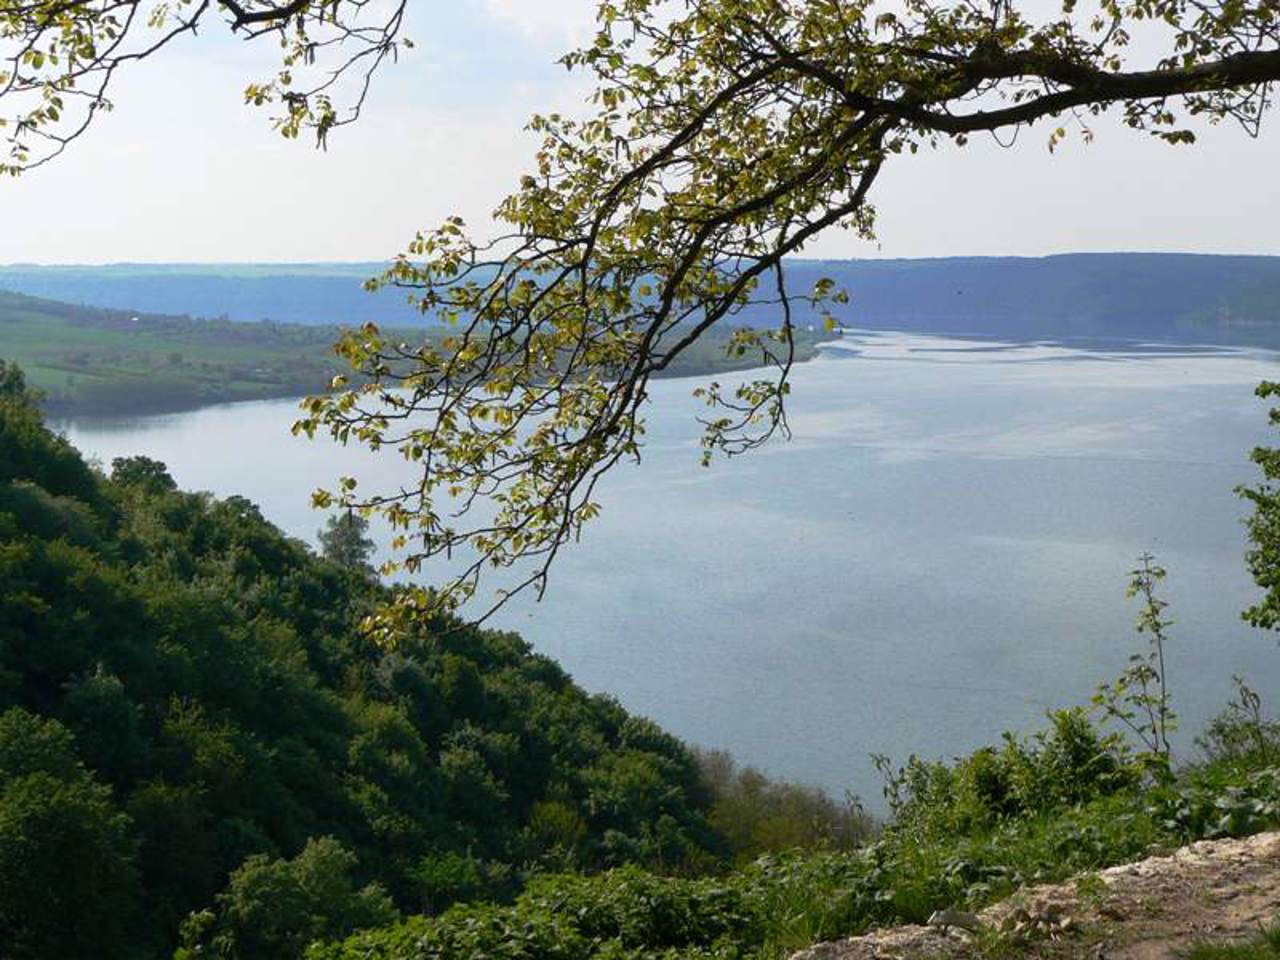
x=1218, y=803
x=444, y=879
x=68, y=883
x=466, y=932
x=642, y=911
x=621, y=913
x=1070, y=762
x=273, y=909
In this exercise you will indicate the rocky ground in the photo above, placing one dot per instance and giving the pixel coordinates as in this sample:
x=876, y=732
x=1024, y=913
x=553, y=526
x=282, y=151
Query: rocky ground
x=1216, y=891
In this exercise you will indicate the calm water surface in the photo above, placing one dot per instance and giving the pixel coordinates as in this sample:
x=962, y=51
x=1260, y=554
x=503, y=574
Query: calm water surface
x=939, y=554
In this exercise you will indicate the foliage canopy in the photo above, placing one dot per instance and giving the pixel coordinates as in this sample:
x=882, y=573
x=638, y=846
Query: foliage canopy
x=1263, y=557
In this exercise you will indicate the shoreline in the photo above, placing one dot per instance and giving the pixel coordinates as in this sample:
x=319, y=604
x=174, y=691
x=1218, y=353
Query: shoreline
x=841, y=345
x=60, y=411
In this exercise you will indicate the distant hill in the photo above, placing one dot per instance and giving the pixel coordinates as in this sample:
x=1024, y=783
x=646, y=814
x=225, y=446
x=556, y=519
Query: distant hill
x=1224, y=299
x=310, y=293
x=1232, y=299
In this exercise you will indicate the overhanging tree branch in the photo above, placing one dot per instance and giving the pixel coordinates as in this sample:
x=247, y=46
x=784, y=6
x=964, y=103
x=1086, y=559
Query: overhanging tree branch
x=58, y=61
x=725, y=135
x=1089, y=88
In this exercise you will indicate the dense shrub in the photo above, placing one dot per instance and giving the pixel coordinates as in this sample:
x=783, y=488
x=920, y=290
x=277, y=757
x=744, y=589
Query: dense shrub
x=448, y=878
x=621, y=913
x=1068, y=763
x=274, y=908
x=972, y=832
x=756, y=814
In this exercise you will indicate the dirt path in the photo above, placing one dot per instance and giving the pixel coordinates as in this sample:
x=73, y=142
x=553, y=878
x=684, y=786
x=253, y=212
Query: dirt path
x=1216, y=891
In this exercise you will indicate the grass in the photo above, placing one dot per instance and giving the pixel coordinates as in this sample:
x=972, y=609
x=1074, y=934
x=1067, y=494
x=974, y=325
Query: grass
x=1265, y=947
x=96, y=361
x=88, y=360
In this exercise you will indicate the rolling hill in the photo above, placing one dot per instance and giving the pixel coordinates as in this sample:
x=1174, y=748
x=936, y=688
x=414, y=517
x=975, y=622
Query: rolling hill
x=1183, y=297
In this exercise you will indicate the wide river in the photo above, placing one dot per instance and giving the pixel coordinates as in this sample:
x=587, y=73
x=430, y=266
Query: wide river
x=939, y=554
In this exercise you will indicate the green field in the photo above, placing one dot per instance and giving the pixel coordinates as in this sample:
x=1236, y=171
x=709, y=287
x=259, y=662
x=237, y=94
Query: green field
x=90, y=361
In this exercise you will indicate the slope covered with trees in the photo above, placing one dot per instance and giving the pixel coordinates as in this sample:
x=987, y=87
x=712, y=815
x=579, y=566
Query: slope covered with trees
x=121, y=361
x=184, y=695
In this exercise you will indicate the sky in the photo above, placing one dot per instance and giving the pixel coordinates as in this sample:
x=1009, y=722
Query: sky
x=182, y=171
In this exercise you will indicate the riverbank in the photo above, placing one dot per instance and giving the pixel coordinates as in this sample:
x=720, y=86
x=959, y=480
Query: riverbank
x=90, y=361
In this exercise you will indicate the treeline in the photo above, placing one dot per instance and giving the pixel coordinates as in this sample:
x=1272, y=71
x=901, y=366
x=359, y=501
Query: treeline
x=213, y=329
x=1165, y=297
x=107, y=362
x=324, y=294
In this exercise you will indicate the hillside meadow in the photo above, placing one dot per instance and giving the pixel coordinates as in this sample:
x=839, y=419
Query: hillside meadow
x=103, y=362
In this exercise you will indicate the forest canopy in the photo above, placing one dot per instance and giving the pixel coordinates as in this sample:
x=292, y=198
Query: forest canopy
x=192, y=731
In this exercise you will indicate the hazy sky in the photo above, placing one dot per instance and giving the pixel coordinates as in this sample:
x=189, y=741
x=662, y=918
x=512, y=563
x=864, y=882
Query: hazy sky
x=182, y=171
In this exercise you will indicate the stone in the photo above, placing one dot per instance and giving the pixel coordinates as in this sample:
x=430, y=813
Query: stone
x=956, y=918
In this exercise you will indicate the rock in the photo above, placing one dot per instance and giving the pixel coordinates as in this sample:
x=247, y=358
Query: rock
x=1017, y=919
x=1111, y=911
x=956, y=918
x=1225, y=889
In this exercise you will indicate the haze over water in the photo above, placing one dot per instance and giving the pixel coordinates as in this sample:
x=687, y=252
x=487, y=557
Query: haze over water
x=939, y=554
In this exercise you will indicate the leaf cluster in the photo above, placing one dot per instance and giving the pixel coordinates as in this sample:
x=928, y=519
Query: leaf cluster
x=58, y=61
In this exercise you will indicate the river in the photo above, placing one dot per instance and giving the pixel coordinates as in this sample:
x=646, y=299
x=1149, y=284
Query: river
x=939, y=554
